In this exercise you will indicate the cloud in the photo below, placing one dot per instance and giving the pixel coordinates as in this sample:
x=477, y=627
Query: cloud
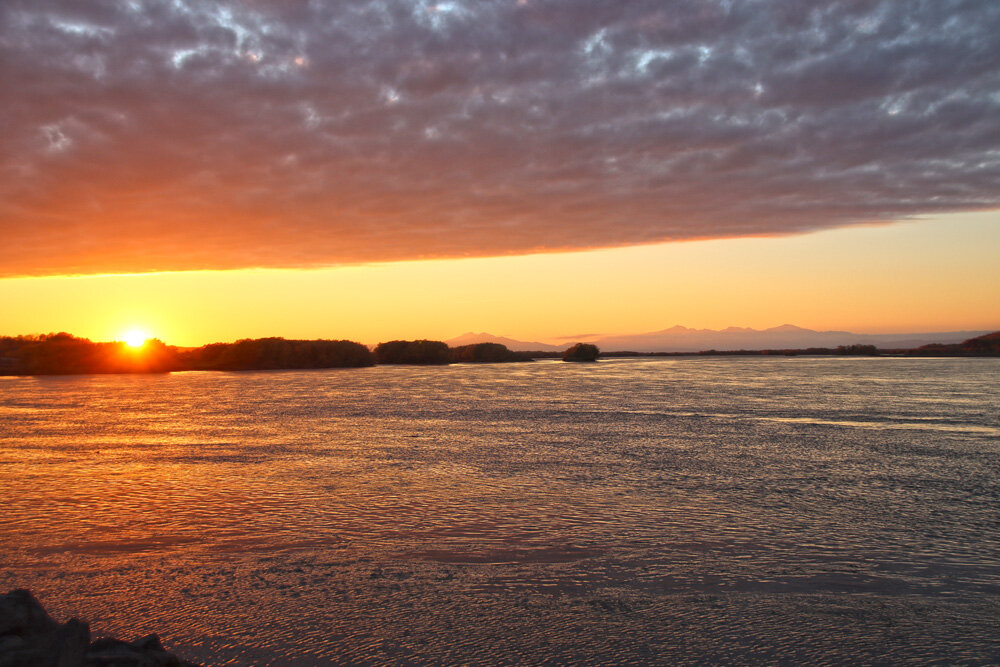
x=155, y=135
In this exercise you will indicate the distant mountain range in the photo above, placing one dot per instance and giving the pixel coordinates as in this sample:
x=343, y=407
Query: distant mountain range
x=470, y=338
x=683, y=339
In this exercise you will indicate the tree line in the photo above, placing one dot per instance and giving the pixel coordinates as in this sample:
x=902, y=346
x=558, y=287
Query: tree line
x=65, y=354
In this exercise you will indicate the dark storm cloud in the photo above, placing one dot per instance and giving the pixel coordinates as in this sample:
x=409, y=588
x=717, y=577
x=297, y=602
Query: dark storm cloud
x=143, y=135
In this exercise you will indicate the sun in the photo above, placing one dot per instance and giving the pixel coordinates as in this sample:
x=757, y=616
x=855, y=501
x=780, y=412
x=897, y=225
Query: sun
x=135, y=338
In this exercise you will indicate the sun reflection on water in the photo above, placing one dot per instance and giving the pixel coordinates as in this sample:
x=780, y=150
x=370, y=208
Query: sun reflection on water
x=627, y=512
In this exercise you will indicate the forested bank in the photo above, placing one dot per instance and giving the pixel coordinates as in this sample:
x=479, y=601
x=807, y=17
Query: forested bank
x=64, y=354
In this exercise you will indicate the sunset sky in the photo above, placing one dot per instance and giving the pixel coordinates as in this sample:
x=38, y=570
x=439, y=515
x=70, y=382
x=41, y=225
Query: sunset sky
x=209, y=171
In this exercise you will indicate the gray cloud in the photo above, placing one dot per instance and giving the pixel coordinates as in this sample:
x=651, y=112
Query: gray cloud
x=147, y=135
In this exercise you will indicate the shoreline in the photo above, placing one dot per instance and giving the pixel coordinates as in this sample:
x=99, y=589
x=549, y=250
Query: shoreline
x=741, y=354
x=64, y=354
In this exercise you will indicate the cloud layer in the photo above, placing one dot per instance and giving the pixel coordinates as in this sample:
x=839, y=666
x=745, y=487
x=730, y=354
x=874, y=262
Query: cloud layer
x=147, y=135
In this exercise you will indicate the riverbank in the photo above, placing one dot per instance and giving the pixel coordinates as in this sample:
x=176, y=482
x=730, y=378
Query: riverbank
x=64, y=354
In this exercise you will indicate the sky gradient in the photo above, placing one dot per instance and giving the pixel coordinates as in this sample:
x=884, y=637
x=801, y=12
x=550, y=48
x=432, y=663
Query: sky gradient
x=294, y=168
x=938, y=274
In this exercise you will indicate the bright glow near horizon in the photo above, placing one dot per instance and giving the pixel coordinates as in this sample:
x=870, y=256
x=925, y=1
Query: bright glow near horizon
x=936, y=274
x=135, y=338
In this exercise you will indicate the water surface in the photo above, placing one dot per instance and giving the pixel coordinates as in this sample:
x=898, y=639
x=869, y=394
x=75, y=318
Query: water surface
x=827, y=510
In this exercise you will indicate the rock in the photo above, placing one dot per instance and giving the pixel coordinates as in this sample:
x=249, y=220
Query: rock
x=75, y=638
x=148, y=643
x=29, y=637
x=143, y=652
x=21, y=613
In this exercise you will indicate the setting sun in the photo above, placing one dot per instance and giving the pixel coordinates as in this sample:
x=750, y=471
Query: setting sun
x=446, y=331
x=135, y=338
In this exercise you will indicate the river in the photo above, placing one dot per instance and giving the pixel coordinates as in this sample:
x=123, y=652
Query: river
x=633, y=511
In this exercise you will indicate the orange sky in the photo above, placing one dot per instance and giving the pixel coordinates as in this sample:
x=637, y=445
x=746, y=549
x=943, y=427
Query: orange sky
x=937, y=274
x=530, y=169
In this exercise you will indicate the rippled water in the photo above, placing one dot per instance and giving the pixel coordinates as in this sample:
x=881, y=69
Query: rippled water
x=632, y=511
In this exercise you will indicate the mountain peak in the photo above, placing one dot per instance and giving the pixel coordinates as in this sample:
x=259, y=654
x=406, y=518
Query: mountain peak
x=674, y=329
x=789, y=328
x=471, y=338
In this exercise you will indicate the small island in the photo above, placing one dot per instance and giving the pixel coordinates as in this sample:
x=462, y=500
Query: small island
x=420, y=352
x=581, y=352
x=487, y=353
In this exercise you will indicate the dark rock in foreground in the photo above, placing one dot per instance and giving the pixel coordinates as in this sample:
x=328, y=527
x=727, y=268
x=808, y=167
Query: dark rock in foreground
x=581, y=352
x=29, y=637
x=148, y=650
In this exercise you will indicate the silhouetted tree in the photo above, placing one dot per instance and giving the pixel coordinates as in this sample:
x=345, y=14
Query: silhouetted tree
x=858, y=350
x=412, y=352
x=581, y=352
x=278, y=353
x=486, y=353
x=63, y=354
x=987, y=345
